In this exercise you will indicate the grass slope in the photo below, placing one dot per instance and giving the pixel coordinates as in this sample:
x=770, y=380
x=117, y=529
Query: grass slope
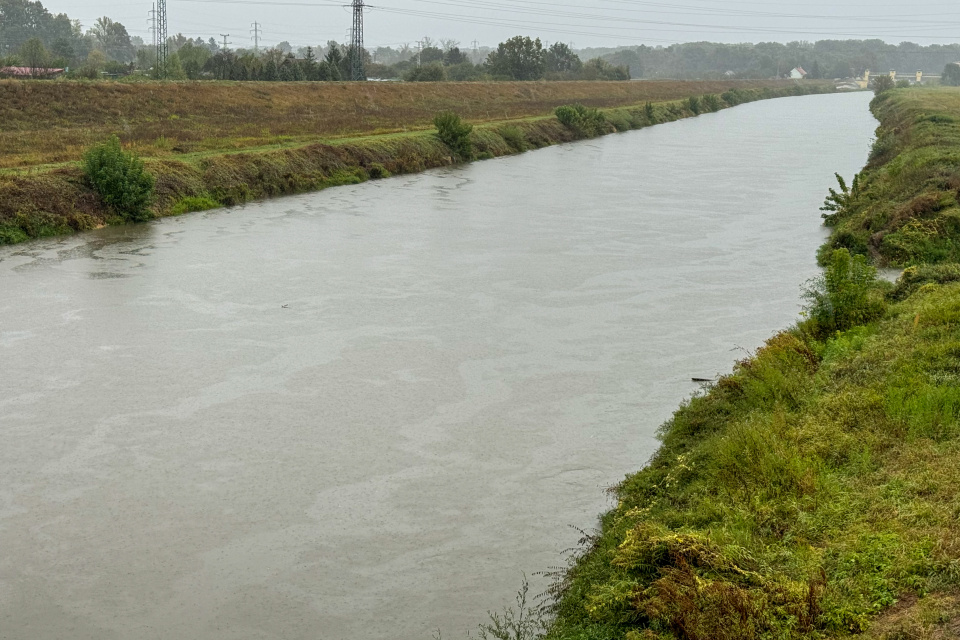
x=812, y=493
x=904, y=209
x=47, y=202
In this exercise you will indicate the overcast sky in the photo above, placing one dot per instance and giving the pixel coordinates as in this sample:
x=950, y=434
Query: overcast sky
x=588, y=23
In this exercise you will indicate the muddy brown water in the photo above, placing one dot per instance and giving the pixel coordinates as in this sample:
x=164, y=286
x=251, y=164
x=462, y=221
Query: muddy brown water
x=363, y=413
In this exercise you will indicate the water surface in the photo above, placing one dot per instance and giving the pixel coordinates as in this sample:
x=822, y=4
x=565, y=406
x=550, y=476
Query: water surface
x=362, y=413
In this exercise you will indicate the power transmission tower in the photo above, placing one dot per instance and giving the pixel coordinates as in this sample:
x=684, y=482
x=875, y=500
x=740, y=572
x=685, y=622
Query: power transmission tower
x=256, y=37
x=153, y=23
x=476, y=52
x=357, y=71
x=161, y=36
x=225, y=43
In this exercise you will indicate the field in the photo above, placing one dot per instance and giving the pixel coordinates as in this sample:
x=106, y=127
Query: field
x=209, y=145
x=812, y=493
x=54, y=122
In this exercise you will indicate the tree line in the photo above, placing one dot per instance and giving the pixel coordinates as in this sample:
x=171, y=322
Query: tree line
x=822, y=59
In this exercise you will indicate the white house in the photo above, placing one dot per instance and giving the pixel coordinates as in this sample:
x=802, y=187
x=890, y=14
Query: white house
x=798, y=74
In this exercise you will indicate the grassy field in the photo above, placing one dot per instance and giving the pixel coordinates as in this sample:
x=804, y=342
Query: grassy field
x=815, y=491
x=53, y=122
x=48, y=200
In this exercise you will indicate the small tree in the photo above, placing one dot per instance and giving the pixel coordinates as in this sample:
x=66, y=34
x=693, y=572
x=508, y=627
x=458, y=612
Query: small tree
x=882, y=84
x=121, y=180
x=35, y=55
x=455, y=134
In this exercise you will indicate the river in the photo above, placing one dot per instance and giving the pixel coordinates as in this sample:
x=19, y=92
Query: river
x=364, y=413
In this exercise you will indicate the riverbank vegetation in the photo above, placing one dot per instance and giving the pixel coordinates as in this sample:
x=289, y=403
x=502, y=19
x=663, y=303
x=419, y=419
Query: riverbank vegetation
x=200, y=158
x=812, y=493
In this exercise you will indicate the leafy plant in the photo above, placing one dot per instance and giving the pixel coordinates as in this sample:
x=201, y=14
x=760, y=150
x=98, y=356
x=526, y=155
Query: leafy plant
x=455, y=134
x=693, y=103
x=882, y=84
x=121, y=180
x=839, y=203
x=585, y=121
x=845, y=296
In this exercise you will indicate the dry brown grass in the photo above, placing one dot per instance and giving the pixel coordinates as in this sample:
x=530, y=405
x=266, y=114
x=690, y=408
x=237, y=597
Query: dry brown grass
x=53, y=122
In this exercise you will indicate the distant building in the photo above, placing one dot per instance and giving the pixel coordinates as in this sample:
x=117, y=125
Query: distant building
x=28, y=72
x=798, y=74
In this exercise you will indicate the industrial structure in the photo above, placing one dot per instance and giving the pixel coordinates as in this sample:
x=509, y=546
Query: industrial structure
x=160, y=31
x=357, y=71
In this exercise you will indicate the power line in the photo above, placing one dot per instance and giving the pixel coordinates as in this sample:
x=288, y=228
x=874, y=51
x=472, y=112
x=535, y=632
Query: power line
x=225, y=43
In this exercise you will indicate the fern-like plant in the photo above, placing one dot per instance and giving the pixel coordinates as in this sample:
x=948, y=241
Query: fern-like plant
x=840, y=203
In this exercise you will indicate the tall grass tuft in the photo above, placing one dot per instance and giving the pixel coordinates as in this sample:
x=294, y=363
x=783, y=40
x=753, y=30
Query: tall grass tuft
x=455, y=134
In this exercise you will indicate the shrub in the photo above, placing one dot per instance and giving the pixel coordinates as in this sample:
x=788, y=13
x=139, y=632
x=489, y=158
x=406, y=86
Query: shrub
x=586, y=122
x=428, y=73
x=378, y=172
x=693, y=103
x=455, y=134
x=121, y=180
x=845, y=296
x=711, y=102
x=650, y=113
x=882, y=84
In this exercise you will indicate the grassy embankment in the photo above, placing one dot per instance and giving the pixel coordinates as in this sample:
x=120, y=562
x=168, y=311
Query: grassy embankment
x=815, y=491
x=212, y=144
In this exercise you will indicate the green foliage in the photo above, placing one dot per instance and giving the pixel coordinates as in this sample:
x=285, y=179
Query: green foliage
x=455, y=134
x=514, y=137
x=585, y=121
x=427, y=73
x=519, y=58
x=882, y=84
x=693, y=104
x=378, y=172
x=711, y=102
x=840, y=203
x=194, y=203
x=121, y=180
x=845, y=296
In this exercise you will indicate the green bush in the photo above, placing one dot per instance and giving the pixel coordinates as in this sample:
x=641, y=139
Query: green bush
x=121, y=180
x=650, y=113
x=693, y=103
x=845, y=296
x=585, y=121
x=455, y=134
x=711, y=102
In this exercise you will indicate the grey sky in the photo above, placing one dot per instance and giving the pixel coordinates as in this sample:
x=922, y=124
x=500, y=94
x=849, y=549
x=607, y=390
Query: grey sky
x=588, y=23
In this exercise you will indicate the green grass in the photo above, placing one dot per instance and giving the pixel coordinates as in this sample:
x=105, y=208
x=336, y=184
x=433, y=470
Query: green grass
x=815, y=491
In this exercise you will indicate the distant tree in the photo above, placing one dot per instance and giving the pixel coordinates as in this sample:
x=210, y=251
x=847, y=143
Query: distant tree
x=816, y=72
x=519, y=58
x=559, y=58
x=951, y=75
x=113, y=39
x=63, y=49
x=430, y=55
x=334, y=60
x=34, y=55
x=285, y=47
x=193, y=58
x=454, y=56
x=428, y=73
